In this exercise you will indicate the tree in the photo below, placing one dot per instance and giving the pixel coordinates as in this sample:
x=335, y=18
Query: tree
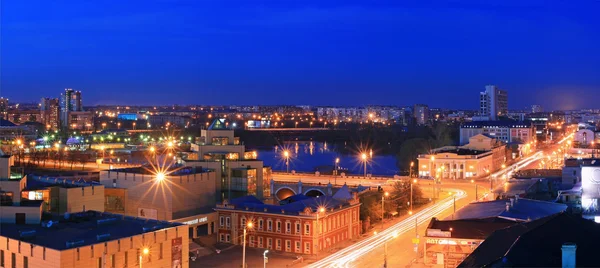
x=401, y=194
x=410, y=150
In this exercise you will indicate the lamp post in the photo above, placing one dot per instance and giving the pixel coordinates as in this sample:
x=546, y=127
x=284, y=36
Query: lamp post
x=337, y=162
x=265, y=258
x=319, y=211
x=383, y=208
x=410, y=171
x=145, y=251
x=411, y=196
x=363, y=157
x=286, y=154
x=248, y=225
x=473, y=181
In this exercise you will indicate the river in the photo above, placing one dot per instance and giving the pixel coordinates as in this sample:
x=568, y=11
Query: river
x=305, y=156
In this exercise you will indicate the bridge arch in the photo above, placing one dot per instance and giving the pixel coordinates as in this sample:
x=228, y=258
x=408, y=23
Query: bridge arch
x=314, y=192
x=284, y=192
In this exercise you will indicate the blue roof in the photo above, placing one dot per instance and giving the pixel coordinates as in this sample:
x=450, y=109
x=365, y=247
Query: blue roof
x=251, y=203
x=6, y=123
x=522, y=210
x=37, y=182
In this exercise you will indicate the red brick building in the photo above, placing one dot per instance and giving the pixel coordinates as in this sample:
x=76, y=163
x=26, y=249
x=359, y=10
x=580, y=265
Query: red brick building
x=305, y=226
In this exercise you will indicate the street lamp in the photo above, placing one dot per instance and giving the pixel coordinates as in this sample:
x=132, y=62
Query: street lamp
x=248, y=225
x=412, y=164
x=319, y=211
x=337, y=162
x=286, y=154
x=411, y=196
x=473, y=181
x=363, y=157
x=382, y=207
x=265, y=258
x=145, y=251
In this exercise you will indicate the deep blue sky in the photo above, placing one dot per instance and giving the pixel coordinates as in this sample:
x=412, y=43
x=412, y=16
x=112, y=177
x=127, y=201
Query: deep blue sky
x=302, y=52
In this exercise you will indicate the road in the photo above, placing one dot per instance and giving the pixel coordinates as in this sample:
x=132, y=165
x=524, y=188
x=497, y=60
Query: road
x=370, y=251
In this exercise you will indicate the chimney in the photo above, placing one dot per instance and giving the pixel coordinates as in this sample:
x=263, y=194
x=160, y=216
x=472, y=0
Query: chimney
x=568, y=255
x=507, y=206
x=512, y=202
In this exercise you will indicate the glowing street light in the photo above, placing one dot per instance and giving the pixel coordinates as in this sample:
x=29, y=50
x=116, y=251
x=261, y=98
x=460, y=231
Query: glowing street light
x=160, y=176
x=363, y=157
x=145, y=252
x=286, y=154
x=386, y=194
x=248, y=226
x=319, y=211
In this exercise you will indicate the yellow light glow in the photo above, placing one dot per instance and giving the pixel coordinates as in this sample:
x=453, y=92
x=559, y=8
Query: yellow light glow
x=321, y=209
x=250, y=224
x=363, y=156
x=160, y=176
x=145, y=251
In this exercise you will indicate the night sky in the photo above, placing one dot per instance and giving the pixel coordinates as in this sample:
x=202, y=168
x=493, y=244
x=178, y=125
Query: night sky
x=302, y=52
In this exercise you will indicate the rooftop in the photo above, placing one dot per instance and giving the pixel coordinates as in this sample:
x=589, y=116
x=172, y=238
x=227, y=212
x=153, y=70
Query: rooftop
x=175, y=170
x=507, y=123
x=82, y=229
x=538, y=243
x=460, y=151
x=521, y=210
x=38, y=182
x=470, y=228
x=297, y=205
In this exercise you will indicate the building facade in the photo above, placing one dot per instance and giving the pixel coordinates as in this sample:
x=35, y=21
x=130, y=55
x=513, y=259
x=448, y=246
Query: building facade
x=506, y=131
x=239, y=173
x=480, y=157
x=50, y=112
x=303, y=227
x=185, y=195
x=70, y=101
x=421, y=114
x=493, y=102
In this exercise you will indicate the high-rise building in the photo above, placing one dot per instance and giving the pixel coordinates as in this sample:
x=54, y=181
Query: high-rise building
x=536, y=108
x=70, y=101
x=3, y=108
x=493, y=102
x=421, y=114
x=50, y=111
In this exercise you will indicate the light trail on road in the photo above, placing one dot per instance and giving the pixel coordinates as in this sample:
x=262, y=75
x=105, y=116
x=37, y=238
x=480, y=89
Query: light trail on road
x=346, y=256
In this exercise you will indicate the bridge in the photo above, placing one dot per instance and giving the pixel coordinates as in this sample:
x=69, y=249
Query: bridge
x=281, y=190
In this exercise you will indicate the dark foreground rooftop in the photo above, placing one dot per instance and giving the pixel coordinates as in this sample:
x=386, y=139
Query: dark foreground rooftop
x=82, y=229
x=538, y=244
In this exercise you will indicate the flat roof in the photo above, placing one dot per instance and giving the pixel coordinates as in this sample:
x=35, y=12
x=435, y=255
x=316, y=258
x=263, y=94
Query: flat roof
x=522, y=210
x=511, y=124
x=175, y=170
x=82, y=229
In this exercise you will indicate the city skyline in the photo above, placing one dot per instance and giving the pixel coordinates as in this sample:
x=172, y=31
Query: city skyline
x=240, y=53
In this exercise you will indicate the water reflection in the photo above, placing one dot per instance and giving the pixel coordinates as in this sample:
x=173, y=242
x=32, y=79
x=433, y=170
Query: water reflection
x=306, y=156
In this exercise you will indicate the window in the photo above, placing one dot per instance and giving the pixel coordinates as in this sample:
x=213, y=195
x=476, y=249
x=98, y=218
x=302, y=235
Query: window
x=227, y=237
x=269, y=225
x=298, y=228
x=288, y=245
x=228, y=221
x=1, y=258
x=278, y=226
x=25, y=262
x=126, y=259
x=221, y=221
x=99, y=262
x=298, y=247
x=78, y=254
x=307, y=247
x=269, y=243
x=160, y=251
x=113, y=261
x=243, y=222
x=13, y=260
x=260, y=224
x=307, y=228
x=251, y=244
x=288, y=227
x=221, y=237
x=260, y=241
